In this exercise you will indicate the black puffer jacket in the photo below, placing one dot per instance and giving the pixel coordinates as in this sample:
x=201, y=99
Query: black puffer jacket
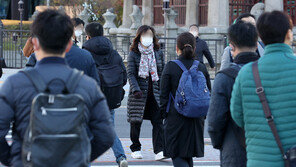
x=136, y=107
x=102, y=52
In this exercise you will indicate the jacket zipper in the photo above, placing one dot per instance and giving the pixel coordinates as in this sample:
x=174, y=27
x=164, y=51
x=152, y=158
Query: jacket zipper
x=45, y=110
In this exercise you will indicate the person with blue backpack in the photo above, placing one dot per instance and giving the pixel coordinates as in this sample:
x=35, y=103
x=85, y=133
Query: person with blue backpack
x=184, y=102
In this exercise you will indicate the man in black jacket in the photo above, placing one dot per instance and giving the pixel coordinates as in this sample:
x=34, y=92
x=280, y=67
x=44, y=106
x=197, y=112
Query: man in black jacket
x=17, y=93
x=112, y=75
x=225, y=134
x=202, y=48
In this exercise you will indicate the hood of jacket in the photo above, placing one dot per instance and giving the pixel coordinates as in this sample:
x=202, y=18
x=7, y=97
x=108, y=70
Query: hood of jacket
x=100, y=48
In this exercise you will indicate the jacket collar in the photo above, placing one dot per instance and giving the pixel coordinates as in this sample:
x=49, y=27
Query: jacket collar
x=246, y=57
x=51, y=60
x=278, y=47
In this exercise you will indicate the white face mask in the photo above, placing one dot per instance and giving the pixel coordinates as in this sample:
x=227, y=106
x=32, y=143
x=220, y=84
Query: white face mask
x=146, y=41
x=78, y=33
x=194, y=33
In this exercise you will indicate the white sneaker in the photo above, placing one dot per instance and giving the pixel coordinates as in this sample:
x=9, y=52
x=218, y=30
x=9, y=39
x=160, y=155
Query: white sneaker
x=123, y=163
x=137, y=155
x=159, y=156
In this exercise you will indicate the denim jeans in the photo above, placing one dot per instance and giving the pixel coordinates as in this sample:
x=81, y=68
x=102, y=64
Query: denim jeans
x=117, y=146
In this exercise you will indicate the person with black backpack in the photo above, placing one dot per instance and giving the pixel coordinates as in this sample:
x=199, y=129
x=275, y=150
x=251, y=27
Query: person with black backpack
x=184, y=102
x=59, y=116
x=112, y=74
x=225, y=134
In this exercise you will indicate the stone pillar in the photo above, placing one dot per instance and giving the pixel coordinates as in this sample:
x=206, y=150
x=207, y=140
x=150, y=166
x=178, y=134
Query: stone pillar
x=136, y=18
x=147, y=9
x=172, y=32
x=109, y=21
x=218, y=13
x=271, y=5
x=191, y=12
x=127, y=10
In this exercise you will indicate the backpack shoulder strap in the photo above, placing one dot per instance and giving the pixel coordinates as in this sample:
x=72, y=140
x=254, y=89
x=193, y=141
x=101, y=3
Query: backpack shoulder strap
x=74, y=80
x=262, y=44
x=196, y=63
x=231, y=72
x=36, y=79
x=180, y=64
x=268, y=115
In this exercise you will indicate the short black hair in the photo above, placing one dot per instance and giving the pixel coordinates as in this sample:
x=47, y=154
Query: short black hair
x=273, y=27
x=194, y=25
x=94, y=30
x=245, y=15
x=77, y=22
x=243, y=35
x=53, y=30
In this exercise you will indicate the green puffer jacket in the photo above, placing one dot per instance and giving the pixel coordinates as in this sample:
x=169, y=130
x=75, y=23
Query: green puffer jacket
x=277, y=70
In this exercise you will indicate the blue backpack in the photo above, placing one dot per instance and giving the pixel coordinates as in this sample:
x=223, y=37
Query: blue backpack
x=192, y=96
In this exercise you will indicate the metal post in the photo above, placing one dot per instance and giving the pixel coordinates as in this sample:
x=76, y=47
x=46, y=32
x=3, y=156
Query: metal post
x=1, y=39
x=21, y=10
x=166, y=8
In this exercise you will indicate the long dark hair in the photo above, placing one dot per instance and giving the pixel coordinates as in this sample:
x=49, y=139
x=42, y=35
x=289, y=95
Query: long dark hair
x=186, y=43
x=141, y=30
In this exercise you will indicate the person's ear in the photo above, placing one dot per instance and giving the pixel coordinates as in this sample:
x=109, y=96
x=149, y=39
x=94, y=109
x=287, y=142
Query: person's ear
x=232, y=49
x=178, y=51
x=69, y=46
x=36, y=44
x=289, y=37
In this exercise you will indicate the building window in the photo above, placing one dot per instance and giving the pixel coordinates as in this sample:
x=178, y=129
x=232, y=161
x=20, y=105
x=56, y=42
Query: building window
x=3, y=8
x=203, y=12
x=179, y=6
x=238, y=7
x=290, y=9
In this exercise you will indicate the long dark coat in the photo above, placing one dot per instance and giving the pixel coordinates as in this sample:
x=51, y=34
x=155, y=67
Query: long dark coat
x=184, y=137
x=136, y=107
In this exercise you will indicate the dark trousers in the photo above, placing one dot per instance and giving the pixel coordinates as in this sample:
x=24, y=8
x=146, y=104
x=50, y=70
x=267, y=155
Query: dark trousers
x=183, y=162
x=157, y=131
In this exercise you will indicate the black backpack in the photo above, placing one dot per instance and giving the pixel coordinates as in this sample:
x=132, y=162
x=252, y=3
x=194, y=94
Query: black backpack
x=56, y=135
x=111, y=77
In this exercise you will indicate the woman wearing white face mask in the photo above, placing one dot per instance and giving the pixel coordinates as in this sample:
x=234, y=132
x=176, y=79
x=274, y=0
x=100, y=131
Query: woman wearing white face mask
x=145, y=65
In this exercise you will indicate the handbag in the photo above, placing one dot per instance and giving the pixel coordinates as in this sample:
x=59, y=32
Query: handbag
x=289, y=157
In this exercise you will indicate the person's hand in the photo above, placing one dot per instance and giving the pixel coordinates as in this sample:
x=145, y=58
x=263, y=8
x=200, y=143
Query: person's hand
x=138, y=94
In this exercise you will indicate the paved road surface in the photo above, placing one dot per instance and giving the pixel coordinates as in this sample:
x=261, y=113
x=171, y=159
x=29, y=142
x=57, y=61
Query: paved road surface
x=122, y=128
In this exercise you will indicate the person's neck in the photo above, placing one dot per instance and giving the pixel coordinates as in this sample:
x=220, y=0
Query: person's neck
x=242, y=50
x=46, y=55
x=143, y=46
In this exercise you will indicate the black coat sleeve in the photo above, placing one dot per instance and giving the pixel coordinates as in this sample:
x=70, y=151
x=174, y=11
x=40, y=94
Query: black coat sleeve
x=32, y=61
x=207, y=53
x=219, y=111
x=123, y=69
x=204, y=70
x=94, y=73
x=165, y=88
x=100, y=125
x=132, y=72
